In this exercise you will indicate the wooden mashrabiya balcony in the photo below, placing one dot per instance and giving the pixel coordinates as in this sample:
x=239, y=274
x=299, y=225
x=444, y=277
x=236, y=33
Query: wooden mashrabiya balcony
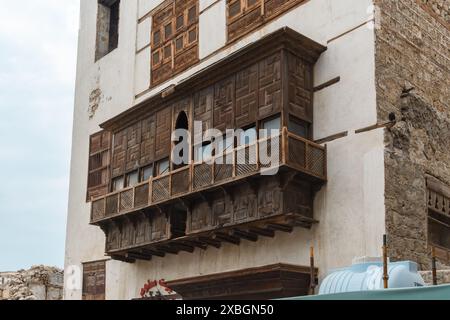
x=125, y=210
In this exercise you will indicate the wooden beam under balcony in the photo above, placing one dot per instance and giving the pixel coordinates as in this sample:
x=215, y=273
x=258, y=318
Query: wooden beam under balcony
x=211, y=242
x=227, y=237
x=263, y=232
x=245, y=235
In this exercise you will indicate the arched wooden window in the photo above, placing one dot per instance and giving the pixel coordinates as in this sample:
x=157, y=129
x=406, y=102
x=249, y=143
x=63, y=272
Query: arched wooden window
x=182, y=123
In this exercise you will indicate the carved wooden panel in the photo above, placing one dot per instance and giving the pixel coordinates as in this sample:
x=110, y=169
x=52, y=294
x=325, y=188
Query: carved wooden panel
x=143, y=231
x=163, y=133
x=199, y=217
x=298, y=198
x=224, y=104
x=203, y=107
x=270, y=86
x=159, y=226
x=113, y=238
x=245, y=16
x=127, y=235
x=174, y=39
x=133, y=146
x=99, y=165
x=119, y=153
x=242, y=18
x=245, y=205
x=94, y=276
x=148, y=140
x=300, y=88
x=246, y=96
x=222, y=210
x=270, y=198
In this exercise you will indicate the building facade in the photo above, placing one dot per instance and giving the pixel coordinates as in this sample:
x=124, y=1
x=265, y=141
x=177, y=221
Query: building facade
x=313, y=123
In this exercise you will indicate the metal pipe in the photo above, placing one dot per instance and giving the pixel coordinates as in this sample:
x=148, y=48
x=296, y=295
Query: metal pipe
x=433, y=265
x=313, y=272
x=385, y=263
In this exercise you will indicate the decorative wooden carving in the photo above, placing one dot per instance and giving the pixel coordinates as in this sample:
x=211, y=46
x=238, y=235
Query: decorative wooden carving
x=223, y=104
x=163, y=132
x=133, y=146
x=245, y=16
x=99, y=165
x=148, y=140
x=204, y=205
x=174, y=39
x=300, y=88
x=262, y=283
x=203, y=108
x=94, y=276
x=270, y=86
x=246, y=96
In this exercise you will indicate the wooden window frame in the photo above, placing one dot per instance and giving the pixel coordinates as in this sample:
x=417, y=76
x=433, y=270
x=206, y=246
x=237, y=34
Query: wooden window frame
x=103, y=169
x=187, y=42
x=438, y=212
x=265, y=15
x=178, y=31
x=244, y=9
x=157, y=64
x=96, y=295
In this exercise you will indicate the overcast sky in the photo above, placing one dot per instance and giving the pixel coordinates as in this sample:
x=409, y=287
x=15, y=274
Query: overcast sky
x=37, y=75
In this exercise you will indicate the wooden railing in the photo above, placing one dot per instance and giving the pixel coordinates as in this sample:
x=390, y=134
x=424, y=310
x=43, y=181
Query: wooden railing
x=293, y=151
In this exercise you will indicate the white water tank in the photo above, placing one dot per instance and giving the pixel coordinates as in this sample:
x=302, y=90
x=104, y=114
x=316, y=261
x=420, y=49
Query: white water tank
x=367, y=274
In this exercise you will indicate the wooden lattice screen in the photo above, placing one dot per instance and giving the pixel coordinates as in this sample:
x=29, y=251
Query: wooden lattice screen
x=94, y=276
x=99, y=165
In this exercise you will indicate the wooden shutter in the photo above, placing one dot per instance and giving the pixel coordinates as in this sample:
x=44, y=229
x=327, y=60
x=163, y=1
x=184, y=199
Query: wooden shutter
x=174, y=39
x=99, y=165
x=94, y=276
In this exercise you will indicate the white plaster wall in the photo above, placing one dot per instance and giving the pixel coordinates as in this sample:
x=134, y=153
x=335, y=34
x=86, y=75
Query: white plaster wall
x=350, y=207
x=113, y=75
x=351, y=103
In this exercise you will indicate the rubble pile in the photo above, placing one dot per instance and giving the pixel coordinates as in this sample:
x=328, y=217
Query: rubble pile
x=37, y=283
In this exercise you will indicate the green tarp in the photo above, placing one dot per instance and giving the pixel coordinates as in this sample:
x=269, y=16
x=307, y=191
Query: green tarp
x=422, y=293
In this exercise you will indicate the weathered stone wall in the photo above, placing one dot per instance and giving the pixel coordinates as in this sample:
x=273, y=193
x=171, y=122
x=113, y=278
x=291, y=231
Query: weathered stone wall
x=443, y=277
x=412, y=51
x=38, y=283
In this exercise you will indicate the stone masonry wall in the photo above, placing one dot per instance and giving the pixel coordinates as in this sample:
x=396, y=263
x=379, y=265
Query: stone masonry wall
x=38, y=283
x=412, y=51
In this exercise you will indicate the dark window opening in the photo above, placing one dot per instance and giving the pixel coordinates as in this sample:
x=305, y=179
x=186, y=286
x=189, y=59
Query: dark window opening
x=179, y=44
x=162, y=167
x=299, y=127
x=107, y=27
x=168, y=31
x=180, y=22
x=117, y=184
x=146, y=173
x=192, y=14
x=132, y=179
x=235, y=9
x=168, y=52
x=249, y=136
x=156, y=38
x=178, y=219
x=271, y=127
x=182, y=124
x=192, y=36
x=156, y=58
x=438, y=230
x=203, y=152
